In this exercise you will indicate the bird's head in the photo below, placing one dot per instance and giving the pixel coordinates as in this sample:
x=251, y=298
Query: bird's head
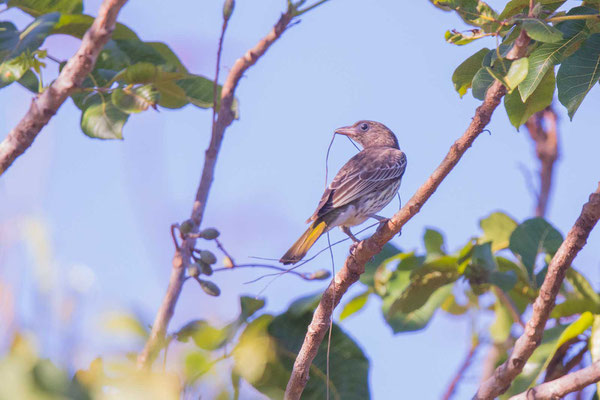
x=370, y=134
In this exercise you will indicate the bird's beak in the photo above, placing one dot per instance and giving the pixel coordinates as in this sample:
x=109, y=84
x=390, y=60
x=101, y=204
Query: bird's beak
x=346, y=131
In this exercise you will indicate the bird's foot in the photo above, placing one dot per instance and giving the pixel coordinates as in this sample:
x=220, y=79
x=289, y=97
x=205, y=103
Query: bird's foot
x=353, y=248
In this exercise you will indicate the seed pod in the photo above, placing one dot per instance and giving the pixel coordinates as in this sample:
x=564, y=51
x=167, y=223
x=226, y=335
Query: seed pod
x=209, y=234
x=228, y=9
x=186, y=226
x=193, y=269
x=208, y=257
x=228, y=262
x=321, y=274
x=206, y=268
x=209, y=287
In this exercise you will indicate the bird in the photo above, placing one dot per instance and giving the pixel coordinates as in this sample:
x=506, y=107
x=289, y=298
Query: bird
x=361, y=188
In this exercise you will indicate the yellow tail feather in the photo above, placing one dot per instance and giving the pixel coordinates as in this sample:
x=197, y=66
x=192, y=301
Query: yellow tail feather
x=302, y=245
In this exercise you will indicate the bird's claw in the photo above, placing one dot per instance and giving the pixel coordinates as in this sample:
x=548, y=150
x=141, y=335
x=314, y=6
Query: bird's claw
x=353, y=248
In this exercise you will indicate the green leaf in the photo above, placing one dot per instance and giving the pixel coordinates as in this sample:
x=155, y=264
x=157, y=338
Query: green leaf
x=575, y=329
x=12, y=70
x=516, y=73
x=418, y=319
x=434, y=244
x=388, y=251
x=196, y=364
x=503, y=322
x=482, y=257
x=424, y=281
x=204, y=335
x=136, y=99
x=452, y=307
x=30, y=81
x=540, y=31
x=497, y=229
x=171, y=95
x=35, y=8
x=532, y=237
x=249, y=306
x=460, y=39
x=578, y=73
x=102, y=119
x=473, y=12
x=582, y=286
x=504, y=280
x=354, y=305
x=519, y=111
x=481, y=83
x=123, y=323
x=13, y=43
x=172, y=62
x=594, y=345
x=515, y=7
x=463, y=75
x=574, y=306
x=77, y=24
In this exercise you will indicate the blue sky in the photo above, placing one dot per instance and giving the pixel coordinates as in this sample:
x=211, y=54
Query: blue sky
x=107, y=206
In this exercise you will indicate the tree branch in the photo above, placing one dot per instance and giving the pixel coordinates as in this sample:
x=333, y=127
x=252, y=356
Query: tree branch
x=500, y=381
x=461, y=371
x=366, y=249
x=225, y=117
x=560, y=387
x=46, y=104
x=543, y=132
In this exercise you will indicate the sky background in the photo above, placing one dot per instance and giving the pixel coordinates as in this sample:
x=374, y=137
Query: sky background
x=104, y=207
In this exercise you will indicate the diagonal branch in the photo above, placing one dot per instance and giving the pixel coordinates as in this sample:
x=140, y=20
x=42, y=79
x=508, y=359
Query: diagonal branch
x=500, y=381
x=355, y=264
x=462, y=370
x=45, y=105
x=560, y=387
x=225, y=117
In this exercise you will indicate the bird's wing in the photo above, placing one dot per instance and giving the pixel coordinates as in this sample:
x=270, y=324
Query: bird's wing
x=363, y=174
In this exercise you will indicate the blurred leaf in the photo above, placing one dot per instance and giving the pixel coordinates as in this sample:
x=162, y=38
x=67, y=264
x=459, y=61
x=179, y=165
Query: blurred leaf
x=578, y=74
x=389, y=250
x=305, y=304
x=434, y=244
x=424, y=281
x=203, y=334
x=594, y=345
x=354, y=305
x=574, y=306
x=504, y=280
x=125, y=324
x=464, y=73
x=35, y=8
x=497, y=229
x=532, y=237
x=249, y=306
x=541, y=31
x=519, y=112
x=14, y=43
x=196, y=364
x=418, y=319
x=452, y=307
x=171, y=95
x=503, y=322
x=77, y=24
x=102, y=119
x=482, y=257
x=136, y=99
x=582, y=286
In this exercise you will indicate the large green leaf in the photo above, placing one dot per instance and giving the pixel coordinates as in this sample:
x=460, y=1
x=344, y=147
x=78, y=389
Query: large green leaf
x=519, y=111
x=543, y=59
x=532, y=237
x=36, y=8
x=77, y=24
x=578, y=73
x=541, y=31
x=424, y=281
x=354, y=305
x=464, y=73
x=417, y=319
x=434, y=244
x=497, y=229
x=102, y=119
x=13, y=43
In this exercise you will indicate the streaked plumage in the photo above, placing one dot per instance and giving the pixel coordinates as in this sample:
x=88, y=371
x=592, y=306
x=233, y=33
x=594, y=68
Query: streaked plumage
x=362, y=187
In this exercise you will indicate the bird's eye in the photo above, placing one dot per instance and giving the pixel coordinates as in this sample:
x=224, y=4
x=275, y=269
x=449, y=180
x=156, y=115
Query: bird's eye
x=364, y=127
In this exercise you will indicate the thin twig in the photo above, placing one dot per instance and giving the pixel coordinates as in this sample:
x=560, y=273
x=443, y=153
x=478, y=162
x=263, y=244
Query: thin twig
x=560, y=387
x=355, y=263
x=500, y=381
x=225, y=117
x=514, y=313
x=461, y=371
x=46, y=104
x=306, y=277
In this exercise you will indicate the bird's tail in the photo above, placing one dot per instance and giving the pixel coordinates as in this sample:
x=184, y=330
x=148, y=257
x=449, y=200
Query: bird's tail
x=302, y=245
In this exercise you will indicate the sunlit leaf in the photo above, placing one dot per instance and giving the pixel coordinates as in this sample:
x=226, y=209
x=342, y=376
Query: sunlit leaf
x=541, y=31
x=354, y=305
x=497, y=229
x=36, y=8
x=519, y=112
x=464, y=73
x=102, y=119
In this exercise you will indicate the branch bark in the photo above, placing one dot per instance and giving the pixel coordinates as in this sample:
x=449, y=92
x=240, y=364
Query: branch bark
x=182, y=255
x=560, y=387
x=461, y=371
x=46, y=104
x=366, y=249
x=543, y=131
x=500, y=381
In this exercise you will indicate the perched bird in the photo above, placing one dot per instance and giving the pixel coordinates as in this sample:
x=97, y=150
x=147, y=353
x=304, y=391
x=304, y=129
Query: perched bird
x=362, y=187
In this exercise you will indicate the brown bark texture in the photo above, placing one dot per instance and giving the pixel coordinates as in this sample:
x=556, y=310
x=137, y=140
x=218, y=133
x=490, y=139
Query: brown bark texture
x=503, y=376
x=366, y=249
x=45, y=105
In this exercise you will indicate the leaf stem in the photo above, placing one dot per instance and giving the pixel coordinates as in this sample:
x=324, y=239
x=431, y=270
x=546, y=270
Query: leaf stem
x=573, y=17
